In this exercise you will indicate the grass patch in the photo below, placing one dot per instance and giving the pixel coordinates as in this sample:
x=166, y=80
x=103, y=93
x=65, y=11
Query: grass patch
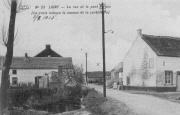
x=99, y=105
x=93, y=101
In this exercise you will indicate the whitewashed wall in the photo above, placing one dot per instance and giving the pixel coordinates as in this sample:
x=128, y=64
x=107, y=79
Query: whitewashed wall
x=28, y=75
x=0, y=75
x=170, y=64
x=120, y=74
x=133, y=61
x=44, y=81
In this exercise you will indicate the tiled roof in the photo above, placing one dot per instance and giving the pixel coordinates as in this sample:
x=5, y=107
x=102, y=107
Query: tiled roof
x=48, y=52
x=38, y=62
x=163, y=45
x=118, y=69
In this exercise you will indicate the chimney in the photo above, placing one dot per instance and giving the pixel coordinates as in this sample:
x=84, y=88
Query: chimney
x=48, y=46
x=139, y=32
x=26, y=55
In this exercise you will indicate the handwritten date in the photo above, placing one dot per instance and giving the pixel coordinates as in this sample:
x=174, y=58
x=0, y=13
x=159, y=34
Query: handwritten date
x=46, y=17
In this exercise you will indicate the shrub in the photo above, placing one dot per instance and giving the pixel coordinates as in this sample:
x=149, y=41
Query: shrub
x=18, y=97
x=93, y=101
x=74, y=91
x=32, y=97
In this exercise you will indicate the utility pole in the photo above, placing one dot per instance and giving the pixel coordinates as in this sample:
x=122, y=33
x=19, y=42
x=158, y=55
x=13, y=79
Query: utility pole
x=86, y=69
x=103, y=48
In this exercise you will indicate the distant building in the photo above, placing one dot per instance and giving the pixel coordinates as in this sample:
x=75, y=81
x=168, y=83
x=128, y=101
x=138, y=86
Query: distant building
x=96, y=76
x=48, y=52
x=117, y=73
x=153, y=63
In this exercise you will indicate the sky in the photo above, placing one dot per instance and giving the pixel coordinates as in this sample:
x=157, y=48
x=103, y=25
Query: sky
x=73, y=35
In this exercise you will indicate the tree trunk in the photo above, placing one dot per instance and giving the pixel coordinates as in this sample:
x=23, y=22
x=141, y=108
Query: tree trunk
x=8, y=57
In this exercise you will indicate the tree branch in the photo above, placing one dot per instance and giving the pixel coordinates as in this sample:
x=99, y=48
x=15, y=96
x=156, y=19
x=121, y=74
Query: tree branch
x=19, y=6
x=4, y=34
x=7, y=6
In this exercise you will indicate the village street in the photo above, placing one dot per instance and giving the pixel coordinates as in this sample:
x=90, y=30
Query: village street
x=142, y=104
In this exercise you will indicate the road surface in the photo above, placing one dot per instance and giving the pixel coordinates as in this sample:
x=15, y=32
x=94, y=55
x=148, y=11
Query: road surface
x=142, y=104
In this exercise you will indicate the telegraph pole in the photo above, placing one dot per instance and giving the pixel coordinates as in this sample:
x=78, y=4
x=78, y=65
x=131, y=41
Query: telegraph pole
x=103, y=48
x=86, y=69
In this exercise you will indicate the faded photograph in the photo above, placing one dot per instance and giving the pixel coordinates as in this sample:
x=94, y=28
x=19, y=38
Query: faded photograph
x=89, y=57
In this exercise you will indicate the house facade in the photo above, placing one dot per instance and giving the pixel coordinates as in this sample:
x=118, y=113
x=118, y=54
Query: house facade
x=117, y=73
x=25, y=70
x=30, y=69
x=152, y=63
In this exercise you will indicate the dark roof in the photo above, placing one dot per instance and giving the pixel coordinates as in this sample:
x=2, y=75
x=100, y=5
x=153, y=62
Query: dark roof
x=48, y=52
x=97, y=74
x=118, y=68
x=38, y=62
x=121, y=69
x=163, y=45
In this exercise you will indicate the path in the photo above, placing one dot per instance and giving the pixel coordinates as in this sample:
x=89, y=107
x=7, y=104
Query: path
x=142, y=104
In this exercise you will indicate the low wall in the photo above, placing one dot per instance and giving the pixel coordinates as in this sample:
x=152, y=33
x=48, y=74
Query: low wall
x=154, y=89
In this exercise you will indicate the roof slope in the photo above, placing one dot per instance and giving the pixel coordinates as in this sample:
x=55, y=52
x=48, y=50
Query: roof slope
x=163, y=45
x=118, y=68
x=48, y=52
x=38, y=62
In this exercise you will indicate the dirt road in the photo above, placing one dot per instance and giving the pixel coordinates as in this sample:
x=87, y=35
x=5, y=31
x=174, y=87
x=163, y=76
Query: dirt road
x=142, y=104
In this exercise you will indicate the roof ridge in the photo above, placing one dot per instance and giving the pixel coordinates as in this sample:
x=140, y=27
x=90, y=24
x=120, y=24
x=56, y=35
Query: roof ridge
x=38, y=62
x=36, y=57
x=156, y=36
x=163, y=45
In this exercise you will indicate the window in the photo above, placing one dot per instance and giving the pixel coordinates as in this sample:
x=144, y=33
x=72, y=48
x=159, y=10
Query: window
x=128, y=80
x=168, y=77
x=14, y=72
x=14, y=80
x=163, y=63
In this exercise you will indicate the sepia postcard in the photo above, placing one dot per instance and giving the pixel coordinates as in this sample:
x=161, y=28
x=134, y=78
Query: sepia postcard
x=90, y=57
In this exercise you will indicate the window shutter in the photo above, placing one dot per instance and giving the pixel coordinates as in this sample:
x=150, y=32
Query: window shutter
x=171, y=78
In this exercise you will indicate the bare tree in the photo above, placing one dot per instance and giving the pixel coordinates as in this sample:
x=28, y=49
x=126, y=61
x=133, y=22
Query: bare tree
x=132, y=74
x=144, y=69
x=72, y=76
x=4, y=35
x=8, y=41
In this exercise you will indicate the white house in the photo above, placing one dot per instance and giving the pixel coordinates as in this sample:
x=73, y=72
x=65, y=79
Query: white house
x=26, y=69
x=31, y=69
x=152, y=63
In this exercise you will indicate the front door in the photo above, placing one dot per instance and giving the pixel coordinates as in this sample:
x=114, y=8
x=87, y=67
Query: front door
x=178, y=81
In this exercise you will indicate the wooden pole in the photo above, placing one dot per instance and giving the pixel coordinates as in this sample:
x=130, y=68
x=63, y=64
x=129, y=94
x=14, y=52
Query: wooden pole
x=86, y=69
x=103, y=48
